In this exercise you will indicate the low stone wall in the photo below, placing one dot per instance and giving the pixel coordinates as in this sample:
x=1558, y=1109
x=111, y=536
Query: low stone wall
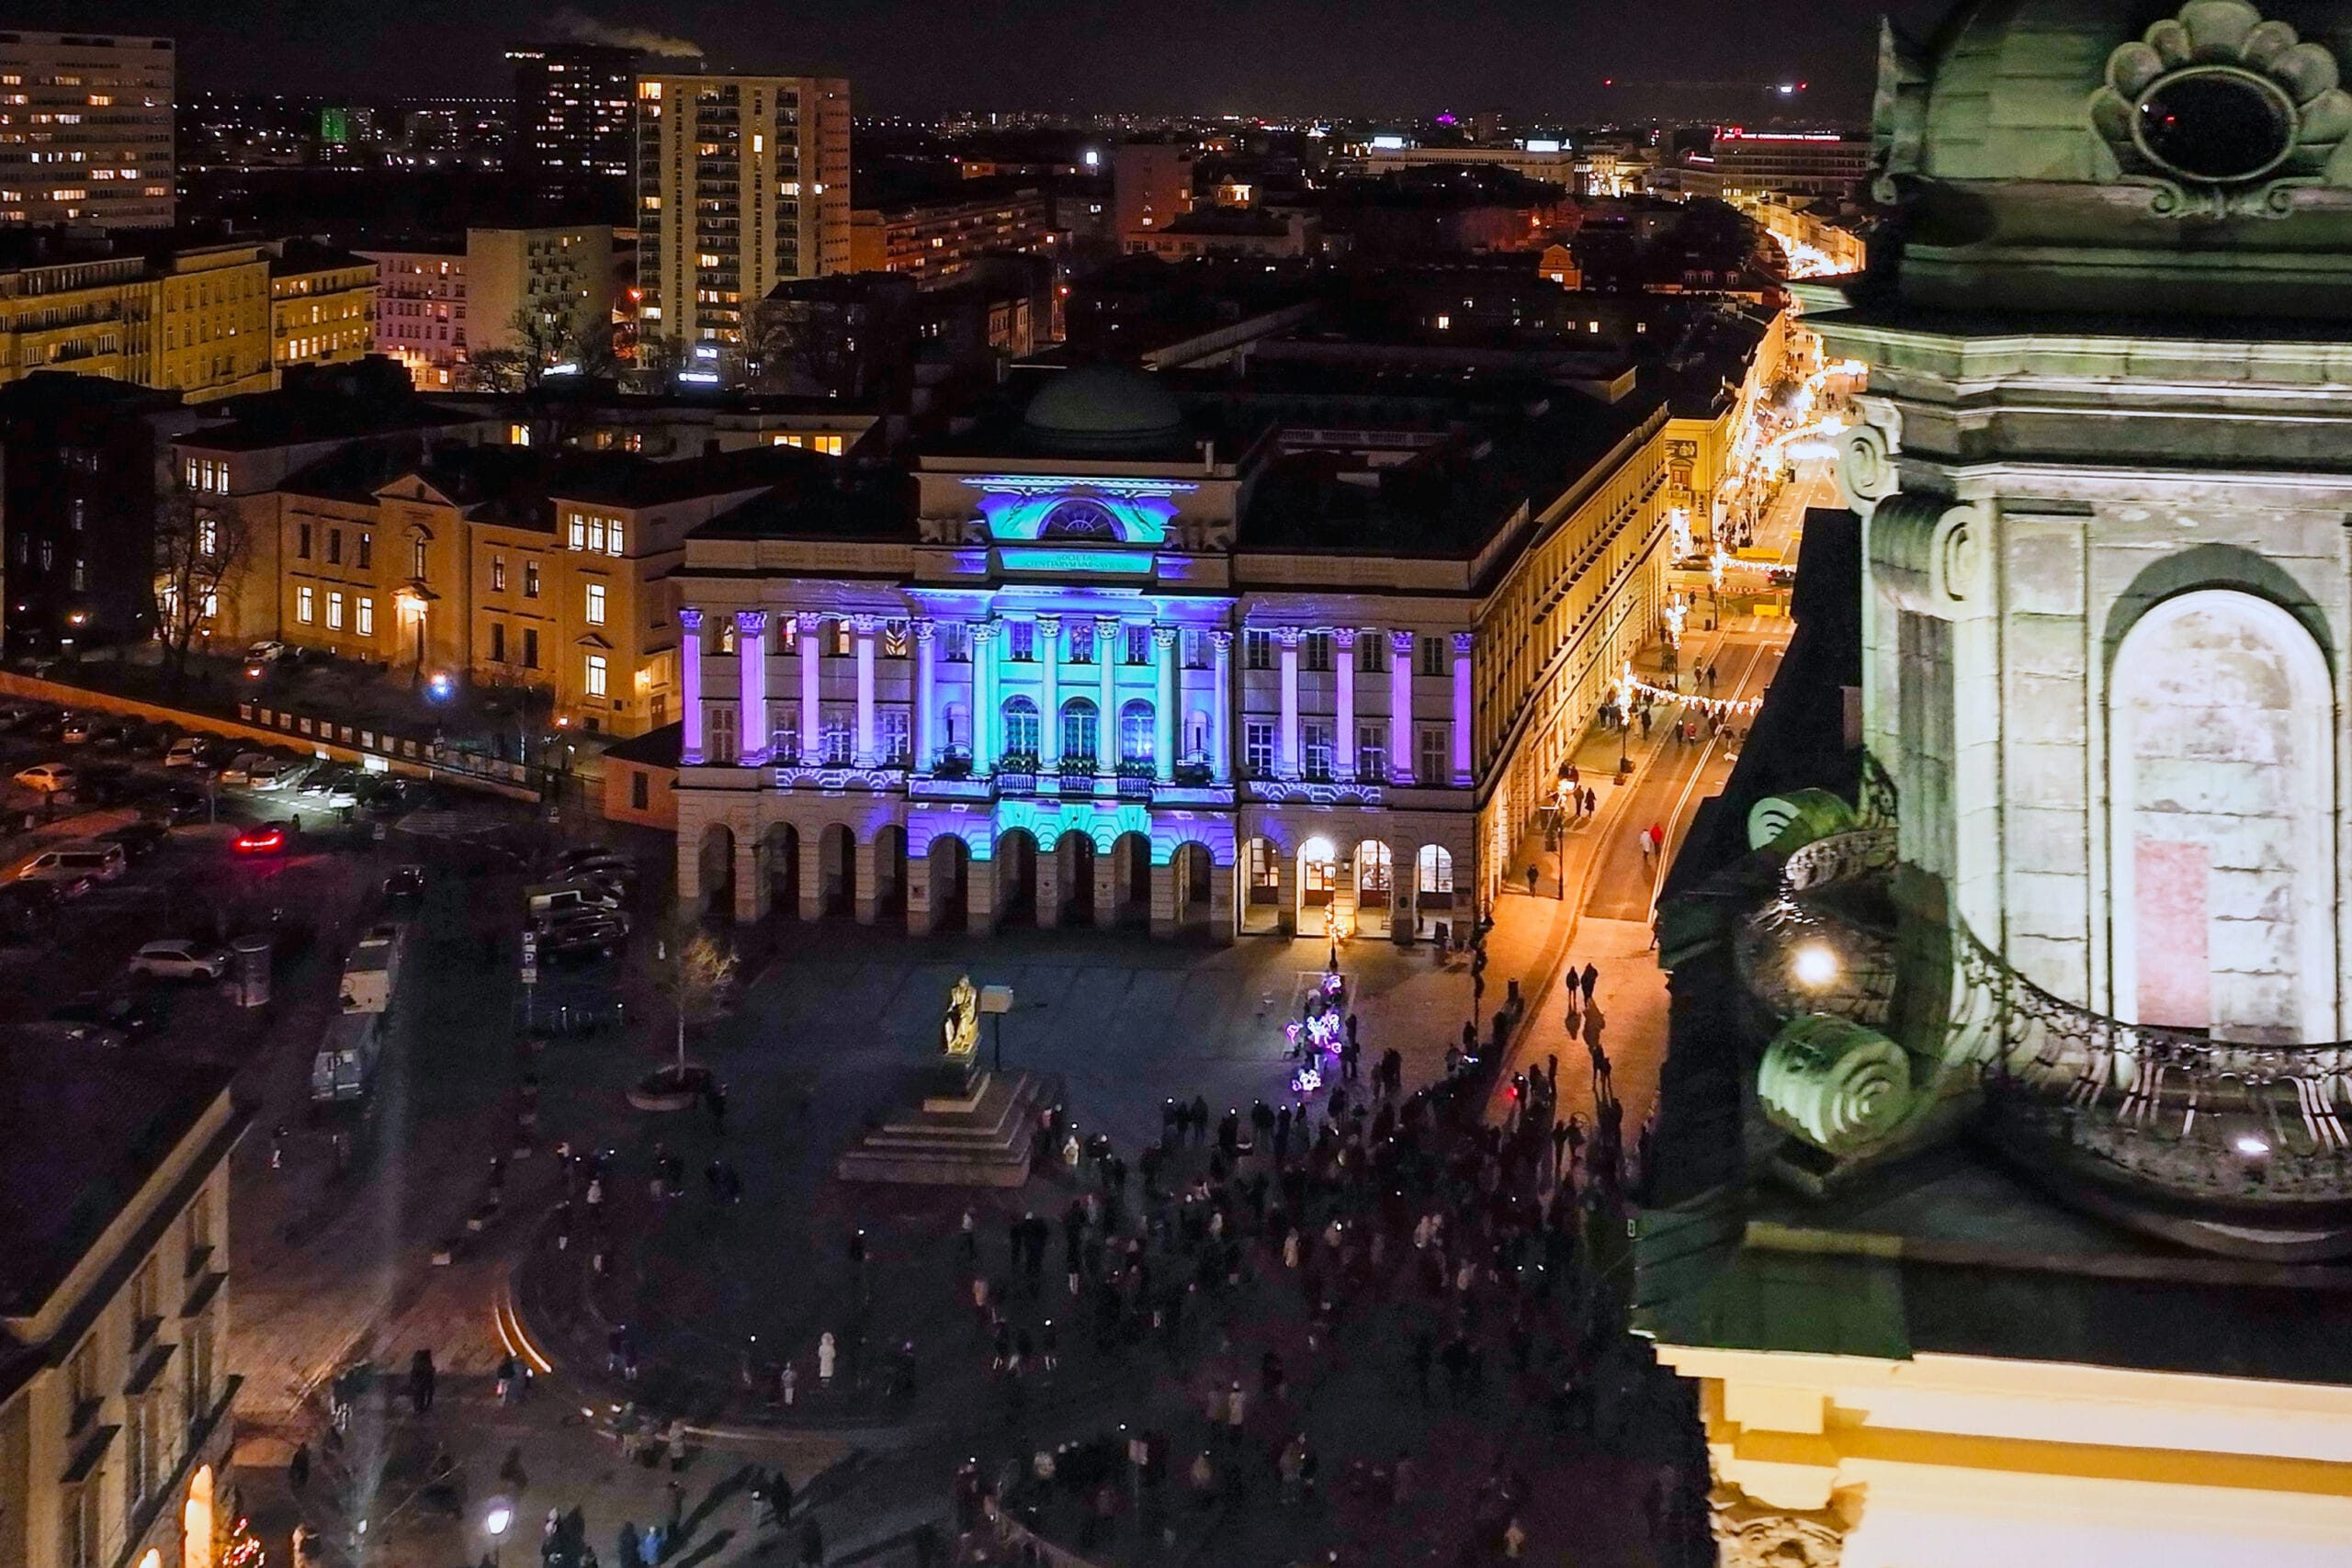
x=261, y=725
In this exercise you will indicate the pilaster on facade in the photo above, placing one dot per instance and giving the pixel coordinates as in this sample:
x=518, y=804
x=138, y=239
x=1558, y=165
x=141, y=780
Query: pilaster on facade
x=1464, y=775
x=752, y=653
x=1400, y=707
x=1343, y=727
x=1287, y=752
x=690, y=713
x=1163, y=710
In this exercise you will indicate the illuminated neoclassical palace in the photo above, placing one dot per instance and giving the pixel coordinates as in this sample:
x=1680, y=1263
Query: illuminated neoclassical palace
x=1221, y=659
x=2025, y=1240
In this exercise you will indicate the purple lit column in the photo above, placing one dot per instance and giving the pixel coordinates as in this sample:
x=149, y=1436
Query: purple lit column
x=867, y=627
x=926, y=681
x=1400, y=707
x=806, y=629
x=1050, y=703
x=690, y=684
x=1286, y=748
x=1343, y=675
x=1163, y=708
x=752, y=652
x=1220, y=726
x=1461, y=773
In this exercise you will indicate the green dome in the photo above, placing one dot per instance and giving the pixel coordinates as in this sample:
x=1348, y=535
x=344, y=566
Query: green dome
x=1104, y=407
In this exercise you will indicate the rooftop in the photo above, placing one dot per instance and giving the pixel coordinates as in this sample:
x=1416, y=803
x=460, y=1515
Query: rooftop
x=518, y=485
x=87, y=1132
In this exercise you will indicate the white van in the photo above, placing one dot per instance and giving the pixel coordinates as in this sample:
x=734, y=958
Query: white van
x=556, y=898
x=71, y=863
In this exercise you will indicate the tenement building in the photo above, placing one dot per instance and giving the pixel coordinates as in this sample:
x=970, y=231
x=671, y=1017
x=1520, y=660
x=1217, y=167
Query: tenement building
x=114, y=1405
x=1297, y=653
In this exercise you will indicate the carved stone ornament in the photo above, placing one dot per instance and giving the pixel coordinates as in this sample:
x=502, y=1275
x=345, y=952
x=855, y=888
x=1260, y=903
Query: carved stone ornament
x=1750, y=1535
x=1839, y=1086
x=2222, y=113
x=1866, y=470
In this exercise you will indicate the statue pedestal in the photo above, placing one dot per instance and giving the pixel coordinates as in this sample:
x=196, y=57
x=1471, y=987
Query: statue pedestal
x=969, y=1127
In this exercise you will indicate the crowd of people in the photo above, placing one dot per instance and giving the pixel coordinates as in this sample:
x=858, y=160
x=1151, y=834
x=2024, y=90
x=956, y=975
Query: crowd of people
x=1254, y=1252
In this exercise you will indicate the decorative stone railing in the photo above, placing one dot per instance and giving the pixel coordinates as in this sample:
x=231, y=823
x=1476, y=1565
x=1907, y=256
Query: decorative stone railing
x=2168, y=1108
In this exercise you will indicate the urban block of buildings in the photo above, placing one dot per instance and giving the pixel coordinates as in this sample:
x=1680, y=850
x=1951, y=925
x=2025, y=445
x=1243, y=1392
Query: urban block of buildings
x=742, y=183
x=443, y=301
x=85, y=130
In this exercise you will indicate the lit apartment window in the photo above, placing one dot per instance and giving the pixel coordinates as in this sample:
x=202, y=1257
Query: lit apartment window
x=498, y=574
x=334, y=610
x=305, y=609
x=595, y=612
x=595, y=674
x=366, y=625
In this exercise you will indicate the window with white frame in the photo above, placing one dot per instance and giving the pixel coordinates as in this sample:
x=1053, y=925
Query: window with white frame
x=893, y=738
x=1436, y=755
x=1196, y=648
x=1371, y=752
x=1258, y=650
x=595, y=606
x=306, y=603
x=1315, y=652
x=597, y=676
x=334, y=610
x=364, y=623
x=1371, y=652
x=1081, y=642
x=720, y=733
x=1021, y=641
x=954, y=642
x=840, y=734
x=1432, y=655
x=1315, y=749
x=1257, y=748
x=1139, y=644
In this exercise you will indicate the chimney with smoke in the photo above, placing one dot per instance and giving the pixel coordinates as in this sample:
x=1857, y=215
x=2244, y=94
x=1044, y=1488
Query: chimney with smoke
x=579, y=27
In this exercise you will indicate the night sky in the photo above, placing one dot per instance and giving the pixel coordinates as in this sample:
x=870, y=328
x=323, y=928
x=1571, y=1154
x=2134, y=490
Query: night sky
x=1378, y=57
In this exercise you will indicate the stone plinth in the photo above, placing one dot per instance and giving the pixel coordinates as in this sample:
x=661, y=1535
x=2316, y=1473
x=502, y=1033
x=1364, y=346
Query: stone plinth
x=971, y=1128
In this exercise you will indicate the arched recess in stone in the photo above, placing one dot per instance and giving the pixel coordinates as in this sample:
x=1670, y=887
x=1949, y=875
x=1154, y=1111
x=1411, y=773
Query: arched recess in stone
x=2221, y=800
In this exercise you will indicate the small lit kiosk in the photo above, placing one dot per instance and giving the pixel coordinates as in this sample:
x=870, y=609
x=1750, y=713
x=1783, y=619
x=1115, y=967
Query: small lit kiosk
x=970, y=1127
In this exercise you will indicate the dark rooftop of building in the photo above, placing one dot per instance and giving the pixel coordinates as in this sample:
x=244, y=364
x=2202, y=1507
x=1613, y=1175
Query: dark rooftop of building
x=336, y=403
x=1246, y=223
x=828, y=498
x=297, y=255
x=84, y=1132
x=518, y=485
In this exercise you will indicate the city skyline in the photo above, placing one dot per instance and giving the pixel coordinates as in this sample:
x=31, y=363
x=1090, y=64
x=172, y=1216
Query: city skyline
x=1274, y=57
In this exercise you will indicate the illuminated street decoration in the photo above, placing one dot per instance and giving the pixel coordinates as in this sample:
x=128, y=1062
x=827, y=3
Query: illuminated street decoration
x=1027, y=507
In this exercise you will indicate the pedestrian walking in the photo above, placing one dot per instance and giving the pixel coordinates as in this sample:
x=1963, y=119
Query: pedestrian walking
x=677, y=1462
x=826, y=1353
x=420, y=1382
x=1587, y=981
x=298, y=1468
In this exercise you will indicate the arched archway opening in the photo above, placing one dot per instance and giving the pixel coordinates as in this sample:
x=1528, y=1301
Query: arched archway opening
x=1432, y=887
x=1262, y=867
x=890, y=873
x=1016, y=879
x=1188, y=876
x=1375, y=887
x=1075, y=878
x=836, y=870
x=715, y=861
x=1131, y=879
x=197, y=1520
x=1319, y=877
x=2221, y=793
x=948, y=866
x=782, y=848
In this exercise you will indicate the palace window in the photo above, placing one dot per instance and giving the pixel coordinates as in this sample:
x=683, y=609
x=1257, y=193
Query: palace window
x=1021, y=728
x=1257, y=748
x=1316, y=652
x=1315, y=748
x=1136, y=732
x=1080, y=728
x=1371, y=752
x=1258, y=650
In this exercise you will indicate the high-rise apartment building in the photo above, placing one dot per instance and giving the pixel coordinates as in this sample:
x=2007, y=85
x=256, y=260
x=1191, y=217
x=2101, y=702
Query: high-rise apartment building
x=1151, y=185
x=742, y=183
x=86, y=129
x=575, y=109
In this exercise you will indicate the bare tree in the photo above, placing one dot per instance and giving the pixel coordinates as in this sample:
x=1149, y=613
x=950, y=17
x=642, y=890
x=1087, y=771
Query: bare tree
x=200, y=551
x=699, y=980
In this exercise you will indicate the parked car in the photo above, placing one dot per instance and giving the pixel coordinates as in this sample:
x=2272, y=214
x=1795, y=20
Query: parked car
x=276, y=773
x=80, y=1036
x=180, y=958
x=241, y=767
x=111, y=736
x=562, y=920
x=584, y=942
x=78, y=729
x=50, y=778
x=70, y=862
x=133, y=1016
x=139, y=840
x=611, y=869
x=337, y=783
x=405, y=886
x=179, y=804
x=264, y=838
x=188, y=751
x=268, y=651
